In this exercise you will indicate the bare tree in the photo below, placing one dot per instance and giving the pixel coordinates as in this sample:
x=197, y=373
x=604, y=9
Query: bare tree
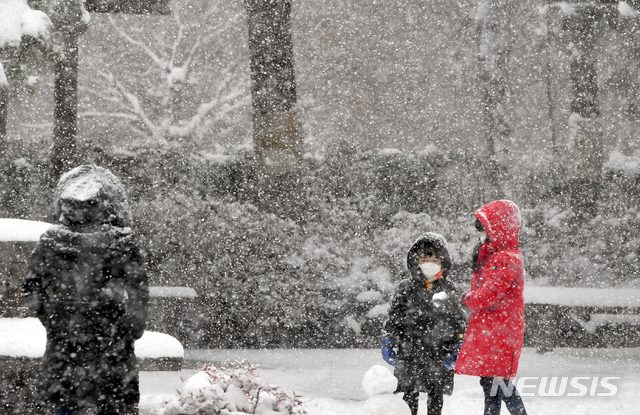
x=154, y=102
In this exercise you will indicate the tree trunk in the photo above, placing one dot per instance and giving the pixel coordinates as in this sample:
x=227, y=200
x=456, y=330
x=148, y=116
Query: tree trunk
x=4, y=97
x=492, y=59
x=276, y=129
x=586, y=158
x=66, y=108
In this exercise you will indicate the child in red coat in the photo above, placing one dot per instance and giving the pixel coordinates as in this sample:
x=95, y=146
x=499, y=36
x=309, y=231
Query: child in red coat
x=494, y=336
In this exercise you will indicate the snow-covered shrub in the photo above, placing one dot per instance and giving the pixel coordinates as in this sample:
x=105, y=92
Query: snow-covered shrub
x=235, y=389
x=312, y=259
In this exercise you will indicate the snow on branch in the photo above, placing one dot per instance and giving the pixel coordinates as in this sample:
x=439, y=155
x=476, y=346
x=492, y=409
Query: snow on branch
x=98, y=114
x=17, y=19
x=155, y=58
x=162, y=98
x=134, y=103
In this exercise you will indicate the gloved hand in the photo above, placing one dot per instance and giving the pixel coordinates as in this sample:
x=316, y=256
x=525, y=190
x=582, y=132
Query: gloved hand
x=464, y=297
x=388, y=352
x=451, y=361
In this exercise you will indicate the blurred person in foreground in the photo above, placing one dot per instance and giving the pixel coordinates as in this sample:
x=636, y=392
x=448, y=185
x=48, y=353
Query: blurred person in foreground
x=494, y=337
x=426, y=325
x=88, y=286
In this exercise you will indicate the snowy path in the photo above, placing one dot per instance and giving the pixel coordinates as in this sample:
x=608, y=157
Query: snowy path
x=330, y=381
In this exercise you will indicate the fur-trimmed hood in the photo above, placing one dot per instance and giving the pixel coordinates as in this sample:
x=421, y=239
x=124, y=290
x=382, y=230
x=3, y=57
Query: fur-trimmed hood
x=429, y=241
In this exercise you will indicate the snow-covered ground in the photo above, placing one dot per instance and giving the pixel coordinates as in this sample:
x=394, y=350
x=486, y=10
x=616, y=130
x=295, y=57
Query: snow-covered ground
x=330, y=381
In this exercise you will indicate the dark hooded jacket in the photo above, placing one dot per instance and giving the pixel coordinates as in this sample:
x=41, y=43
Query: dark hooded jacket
x=425, y=329
x=88, y=286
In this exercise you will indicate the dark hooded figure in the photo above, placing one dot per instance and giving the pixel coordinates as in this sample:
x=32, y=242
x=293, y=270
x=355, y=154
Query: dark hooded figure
x=88, y=286
x=425, y=323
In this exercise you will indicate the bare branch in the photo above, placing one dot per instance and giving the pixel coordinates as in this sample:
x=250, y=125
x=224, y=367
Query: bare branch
x=155, y=58
x=134, y=103
x=176, y=61
x=95, y=114
x=178, y=41
x=44, y=125
x=101, y=94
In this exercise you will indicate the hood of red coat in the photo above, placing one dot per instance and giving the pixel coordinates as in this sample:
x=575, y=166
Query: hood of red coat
x=501, y=219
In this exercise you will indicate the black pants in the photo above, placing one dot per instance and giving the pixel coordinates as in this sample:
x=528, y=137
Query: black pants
x=493, y=401
x=435, y=400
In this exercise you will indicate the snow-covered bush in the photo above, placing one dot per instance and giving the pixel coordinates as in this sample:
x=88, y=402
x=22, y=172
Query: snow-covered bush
x=236, y=389
x=313, y=259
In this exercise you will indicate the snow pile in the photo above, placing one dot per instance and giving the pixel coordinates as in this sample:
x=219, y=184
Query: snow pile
x=619, y=162
x=27, y=337
x=380, y=385
x=17, y=19
x=153, y=345
x=172, y=292
x=236, y=389
x=626, y=10
x=92, y=183
x=3, y=77
x=583, y=297
x=16, y=230
x=22, y=337
x=440, y=296
x=380, y=310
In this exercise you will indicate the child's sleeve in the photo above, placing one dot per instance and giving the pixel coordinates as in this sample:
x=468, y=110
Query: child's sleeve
x=394, y=326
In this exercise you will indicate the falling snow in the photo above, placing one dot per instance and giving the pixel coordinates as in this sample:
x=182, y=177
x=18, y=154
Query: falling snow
x=279, y=163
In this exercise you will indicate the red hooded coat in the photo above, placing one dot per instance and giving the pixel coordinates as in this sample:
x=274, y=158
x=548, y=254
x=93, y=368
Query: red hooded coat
x=494, y=337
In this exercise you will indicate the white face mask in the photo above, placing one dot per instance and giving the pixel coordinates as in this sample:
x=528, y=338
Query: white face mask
x=430, y=269
x=484, y=237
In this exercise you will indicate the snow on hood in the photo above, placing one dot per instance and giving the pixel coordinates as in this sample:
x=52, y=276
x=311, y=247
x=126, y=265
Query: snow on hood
x=90, y=183
x=20, y=230
x=17, y=19
x=501, y=219
x=439, y=245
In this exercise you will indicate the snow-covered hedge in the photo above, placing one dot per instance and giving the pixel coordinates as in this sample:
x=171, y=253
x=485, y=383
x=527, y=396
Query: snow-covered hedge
x=236, y=389
x=312, y=260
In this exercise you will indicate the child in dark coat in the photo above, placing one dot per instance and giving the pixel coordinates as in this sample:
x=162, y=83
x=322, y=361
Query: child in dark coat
x=88, y=286
x=426, y=324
